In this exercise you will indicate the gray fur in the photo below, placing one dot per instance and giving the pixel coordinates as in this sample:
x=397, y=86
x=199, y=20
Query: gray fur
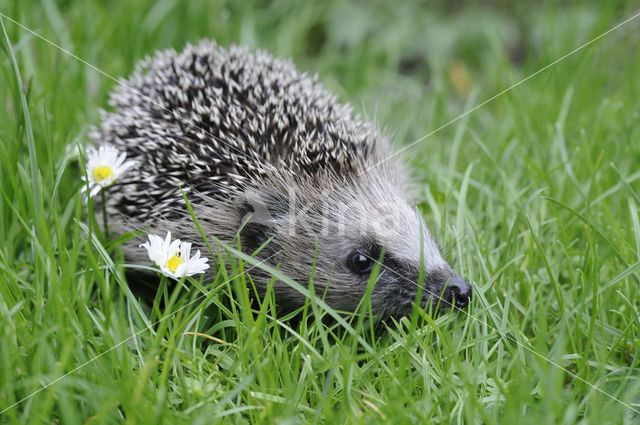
x=255, y=143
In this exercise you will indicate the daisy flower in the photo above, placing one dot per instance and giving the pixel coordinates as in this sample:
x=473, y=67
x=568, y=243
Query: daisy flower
x=104, y=166
x=174, y=257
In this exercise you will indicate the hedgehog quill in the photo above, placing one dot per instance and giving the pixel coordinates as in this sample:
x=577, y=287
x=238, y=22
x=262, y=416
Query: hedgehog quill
x=265, y=153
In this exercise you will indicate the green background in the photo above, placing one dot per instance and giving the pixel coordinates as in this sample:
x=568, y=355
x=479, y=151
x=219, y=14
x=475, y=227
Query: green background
x=533, y=197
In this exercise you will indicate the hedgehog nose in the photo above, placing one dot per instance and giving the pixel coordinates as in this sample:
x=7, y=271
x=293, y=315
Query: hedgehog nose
x=458, y=291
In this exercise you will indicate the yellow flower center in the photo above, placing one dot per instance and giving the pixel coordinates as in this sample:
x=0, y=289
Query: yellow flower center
x=174, y=262
x=102, y=172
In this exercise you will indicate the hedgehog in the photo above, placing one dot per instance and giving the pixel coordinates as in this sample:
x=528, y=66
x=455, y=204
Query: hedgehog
x=272, y=161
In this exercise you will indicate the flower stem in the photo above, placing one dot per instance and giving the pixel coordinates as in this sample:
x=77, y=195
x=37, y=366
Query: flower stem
x=104, y=214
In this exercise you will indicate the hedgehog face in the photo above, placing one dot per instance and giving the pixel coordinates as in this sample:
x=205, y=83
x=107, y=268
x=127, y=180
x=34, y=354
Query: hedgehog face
x=341, y=235
x=391, y=234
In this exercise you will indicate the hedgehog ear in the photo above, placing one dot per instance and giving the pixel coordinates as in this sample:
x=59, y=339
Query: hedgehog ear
x=261, y=212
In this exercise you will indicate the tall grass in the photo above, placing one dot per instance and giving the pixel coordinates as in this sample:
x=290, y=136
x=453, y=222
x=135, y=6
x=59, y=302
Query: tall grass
x=534, y=198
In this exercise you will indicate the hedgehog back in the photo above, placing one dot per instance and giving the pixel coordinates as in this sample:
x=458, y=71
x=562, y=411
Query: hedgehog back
x=214, y=121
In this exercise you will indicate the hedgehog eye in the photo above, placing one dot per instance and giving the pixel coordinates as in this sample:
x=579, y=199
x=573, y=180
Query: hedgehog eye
x=360, y=263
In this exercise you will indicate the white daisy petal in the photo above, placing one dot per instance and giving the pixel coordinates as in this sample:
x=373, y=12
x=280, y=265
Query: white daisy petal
x=174, y=257
x=185, y=251
x=196, y=264
x=126, y=166
x=120, y=159
x=174, y=248
x=180, y=271
x=104, y=166
x=94, y=191
x=154, y=248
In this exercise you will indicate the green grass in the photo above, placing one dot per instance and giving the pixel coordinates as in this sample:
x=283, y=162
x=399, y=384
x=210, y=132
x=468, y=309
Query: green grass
x=535, y=198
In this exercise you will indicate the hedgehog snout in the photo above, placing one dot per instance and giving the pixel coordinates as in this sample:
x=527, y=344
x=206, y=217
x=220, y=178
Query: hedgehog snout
x=457, y=292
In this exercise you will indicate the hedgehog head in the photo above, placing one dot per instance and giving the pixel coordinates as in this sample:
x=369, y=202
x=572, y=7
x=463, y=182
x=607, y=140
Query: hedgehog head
x=338, y=230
